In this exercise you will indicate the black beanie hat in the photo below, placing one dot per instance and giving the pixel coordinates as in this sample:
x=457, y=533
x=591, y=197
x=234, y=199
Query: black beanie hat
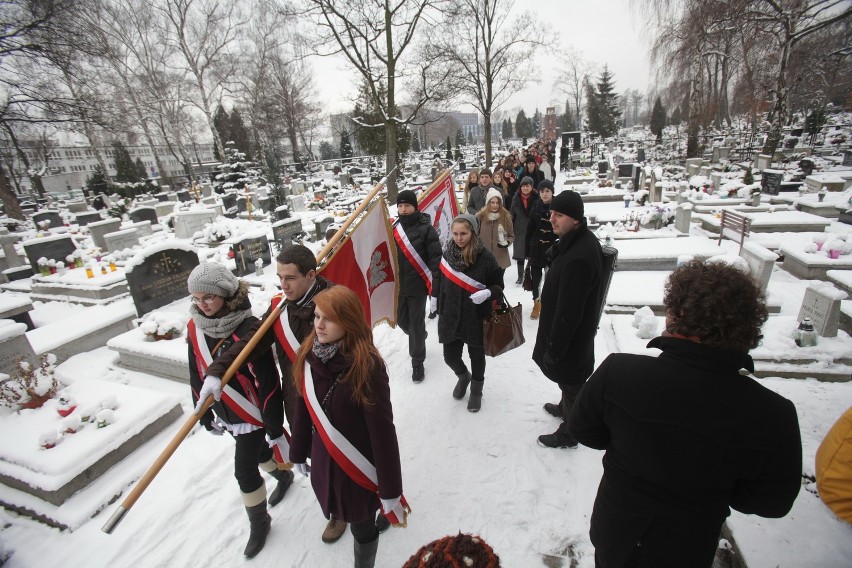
x=545, y=183
x=531, y=158
x=568, y=203
x=407, y=196
x=527, y=180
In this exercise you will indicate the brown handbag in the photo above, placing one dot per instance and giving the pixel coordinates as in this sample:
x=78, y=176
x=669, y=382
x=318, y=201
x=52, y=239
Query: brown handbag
x=528, y=286
x=503, y=330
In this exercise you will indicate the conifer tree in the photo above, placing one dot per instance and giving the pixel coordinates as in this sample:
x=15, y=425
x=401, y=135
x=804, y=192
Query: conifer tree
x=460, y=137
x=220, y=122
x=449, y=149
x=658, y=120
x=237, y=172
x=507, y=129
x=345, y=145
x=125, y=169
x=97, y=183
x=536, y=123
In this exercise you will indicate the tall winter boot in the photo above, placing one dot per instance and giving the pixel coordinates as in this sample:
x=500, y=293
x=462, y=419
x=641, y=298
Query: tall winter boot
x=461, y=385
x=284, y=477
x=365, y=553
x=536, y=311
x=259, y=521
x=474, y=403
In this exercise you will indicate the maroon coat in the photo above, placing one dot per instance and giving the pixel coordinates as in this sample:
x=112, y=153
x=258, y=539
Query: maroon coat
x=370, y=429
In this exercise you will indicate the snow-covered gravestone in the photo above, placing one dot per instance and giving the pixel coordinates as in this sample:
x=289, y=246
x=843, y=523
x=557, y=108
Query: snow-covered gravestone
x=284, y=230
x=298, y=203
x=55, y=247
x=53, y=219
x=120, y=240
x=847, y=158
x=822, y=304
x=98, y=229
x=187, y=223
x=143, y=228
x=248, y=250
x=761, y=162
x=83, y=219
x=13, y=345
x=144, y=214
x=770, y=181
x=760, y=262
x=157, y=276
x=683, y=217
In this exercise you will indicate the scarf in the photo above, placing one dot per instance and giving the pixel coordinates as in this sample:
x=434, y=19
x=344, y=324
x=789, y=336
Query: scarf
x=525, y=199
x=218, y=327
x=493, y=216
x=324, y=351
x=453, y=254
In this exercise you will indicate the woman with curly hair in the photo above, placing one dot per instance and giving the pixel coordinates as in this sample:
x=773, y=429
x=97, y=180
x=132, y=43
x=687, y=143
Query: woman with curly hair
x=344, y=422
x=688, y=434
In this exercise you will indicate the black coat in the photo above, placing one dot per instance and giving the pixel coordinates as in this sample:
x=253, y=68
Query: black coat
x=540, y=236
x=570, y=306
x=686, y=437
x=458, y=316
x=520, y=219
x=423, y=237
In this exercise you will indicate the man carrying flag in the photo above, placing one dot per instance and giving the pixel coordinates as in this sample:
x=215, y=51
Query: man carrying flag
x=419, y=256
x=297, y=272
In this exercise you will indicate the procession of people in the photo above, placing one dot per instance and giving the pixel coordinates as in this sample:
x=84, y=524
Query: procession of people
x=334, y=388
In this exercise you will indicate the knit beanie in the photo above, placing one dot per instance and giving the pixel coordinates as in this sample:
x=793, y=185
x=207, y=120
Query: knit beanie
x=408, y=197
x=531, y=158
x=493, y=193
x=527, y=180
x=212, y=278
x=545, y=183
x=568, y=203
x=470, y=219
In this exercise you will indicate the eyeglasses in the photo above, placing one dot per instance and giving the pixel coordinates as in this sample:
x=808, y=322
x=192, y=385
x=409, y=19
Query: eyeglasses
x=208, y=299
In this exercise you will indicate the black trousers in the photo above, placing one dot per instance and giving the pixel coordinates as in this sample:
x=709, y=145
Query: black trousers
x=453, y=359
x=569, y=396
x=251, y=449
x=520, y=270
x=411, y=317
x=364, y=531
x=535, y=273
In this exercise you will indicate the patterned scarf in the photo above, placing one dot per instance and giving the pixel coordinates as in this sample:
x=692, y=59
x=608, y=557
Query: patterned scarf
x=324, y=351
x=218, y=327
x=453, y=254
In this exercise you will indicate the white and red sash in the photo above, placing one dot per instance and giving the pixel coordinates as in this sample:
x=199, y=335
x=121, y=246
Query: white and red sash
x=416, y=261
x=286, y=337
x=347, y=456
x=460, y=279
x=247, y=410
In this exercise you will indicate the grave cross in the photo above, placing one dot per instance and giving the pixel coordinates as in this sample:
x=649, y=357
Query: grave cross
x=241, y=250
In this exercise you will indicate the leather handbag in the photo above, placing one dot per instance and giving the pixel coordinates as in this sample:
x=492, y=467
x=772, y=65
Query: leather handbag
x=528, y=286
x=503, y=330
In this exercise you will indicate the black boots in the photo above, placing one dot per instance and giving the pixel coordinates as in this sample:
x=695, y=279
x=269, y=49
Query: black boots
x=554, y=410
x=260, y=522
x=559, y=439
x=418, y=373
x=474, y=403
x=461, y=386
x=284, y=478
x=365, y=553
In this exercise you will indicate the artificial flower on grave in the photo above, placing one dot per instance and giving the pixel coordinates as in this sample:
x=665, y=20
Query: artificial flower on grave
x=65, y=406
x=104, y=418
x=29, y=386
x=49, y=440
x=43, y=266
x=162, y=325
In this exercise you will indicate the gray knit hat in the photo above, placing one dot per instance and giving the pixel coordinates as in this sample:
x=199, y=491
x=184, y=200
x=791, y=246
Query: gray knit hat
x=470, y=219
x=212, y=278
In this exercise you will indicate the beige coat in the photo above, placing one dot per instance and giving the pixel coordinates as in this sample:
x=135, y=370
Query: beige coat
x=488, y=232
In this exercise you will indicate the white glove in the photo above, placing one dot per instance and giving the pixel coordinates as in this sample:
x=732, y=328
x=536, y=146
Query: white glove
x=393, y=506
x=280, y=449
x=433, y=305
x=216, y=429
x=212, y=385
x=303, y=468
x=481, y=296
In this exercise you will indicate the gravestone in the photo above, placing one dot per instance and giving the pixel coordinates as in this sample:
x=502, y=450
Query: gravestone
x=211, y=201
x=822, y=305
x=144, y=214
x=790, y=186
x=298, y=187
x=13, y=345
x=229, y=201
x=100, y=228
x=7, y=242
x=770, y=181
x=282, y=212
x=625, y=170
x=184, y=196
x=52, y=248
x=717, y=155
x=263, y=202
x=683, y=217
x=120, y=240
x=797, y=132
x=761, y=162
x=52, y=217
x=143, y=228
x=847, y=158
x=603, y=166
x=760, y=262
x=84, y=219
x=655, y=192
x=715, y=180
x=241, y=204
x=283, y=231
x=162, y=197
x=345, y=180
x=247, y=251
x=159, y=278
x=206, y=190
x=638, y=177
x=321, y=225
x=77, y=206
x=807, y=166
x=187, y=223
x=640, y=155
x=572, y=140
x=297, y=203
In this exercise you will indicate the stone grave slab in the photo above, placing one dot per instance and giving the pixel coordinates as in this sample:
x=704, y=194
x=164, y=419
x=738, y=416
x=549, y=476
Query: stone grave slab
x=822, y=304
x=683, y=217
x=144, y=214
x=121, y=240
x=53, y=219
x=13, y=345
x=77, y=206
x=158, y=277
x=229, y=202
x=770, y=181
x=812, y=266
x=7, y=242
x=187, y=223
x=625, y=170
x=76, y=287
x=16, y=307
x=297, y=203
x=84, y=219
x=282, y=212
x=99, y=229
x=164, y=208
x=831, y=181
x=321, y=225
x=761, y=162
x=165, y=358
x=162, y=197
x=184, y=196
x=55, y=247
x=760, y=262
x=247, y=251
x=774, y=222
x=143, y=228
x=284, y=230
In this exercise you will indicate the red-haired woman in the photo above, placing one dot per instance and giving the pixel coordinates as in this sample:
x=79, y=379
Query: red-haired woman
x=344, y=422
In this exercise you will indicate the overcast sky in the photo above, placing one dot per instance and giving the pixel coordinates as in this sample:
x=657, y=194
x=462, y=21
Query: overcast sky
x=605, y=31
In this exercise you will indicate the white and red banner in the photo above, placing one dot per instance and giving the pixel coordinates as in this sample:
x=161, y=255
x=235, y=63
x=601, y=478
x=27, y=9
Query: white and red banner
x=413, y=257
x=365, y=262
x=460, y=279
x=441, y=205
x=286, y=337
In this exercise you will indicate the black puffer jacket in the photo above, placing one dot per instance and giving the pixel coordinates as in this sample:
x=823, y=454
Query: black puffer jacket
x=540, y=236
x=520, y=219
x=570, y=306
x=423, y=237
x=458, y=316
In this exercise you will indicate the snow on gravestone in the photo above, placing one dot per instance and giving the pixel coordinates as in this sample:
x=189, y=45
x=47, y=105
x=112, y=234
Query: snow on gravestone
x=98, y=229
x=144, y=214
x=53, y=219
x=56, y=248
x=248, y=250
x=120, y=240
x=284, y=230
x=822, y=304
x=157, y=276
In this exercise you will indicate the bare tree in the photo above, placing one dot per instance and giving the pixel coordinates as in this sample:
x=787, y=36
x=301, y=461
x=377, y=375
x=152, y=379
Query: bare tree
x=574, y=70
x=379, y=39
x=486, y=44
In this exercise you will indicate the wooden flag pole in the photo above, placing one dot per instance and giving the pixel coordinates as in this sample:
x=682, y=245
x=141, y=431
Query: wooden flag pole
x=435, y=184
x=187, y=427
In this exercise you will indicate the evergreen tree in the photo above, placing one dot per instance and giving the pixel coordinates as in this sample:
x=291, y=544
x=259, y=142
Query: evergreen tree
x=460, y=137
x=345, y=146
x=748, y=177
x=675, y=118
x=415, y=142
x=470, y=140
x=220, y=122
x=536, y=123
x=523, y=125
x=238, y=133
x=97, y=183
x=815, y=121
x=458, y=154
x=658, y=120
x=141, y=172
x=326, y=150
x=371, y=139
x=592, y=106
x=125, y=169
x=274, y=183
x=237, y=173
x=507, y=129
x=449, y=149
x=607, y=105
x=566, y=121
